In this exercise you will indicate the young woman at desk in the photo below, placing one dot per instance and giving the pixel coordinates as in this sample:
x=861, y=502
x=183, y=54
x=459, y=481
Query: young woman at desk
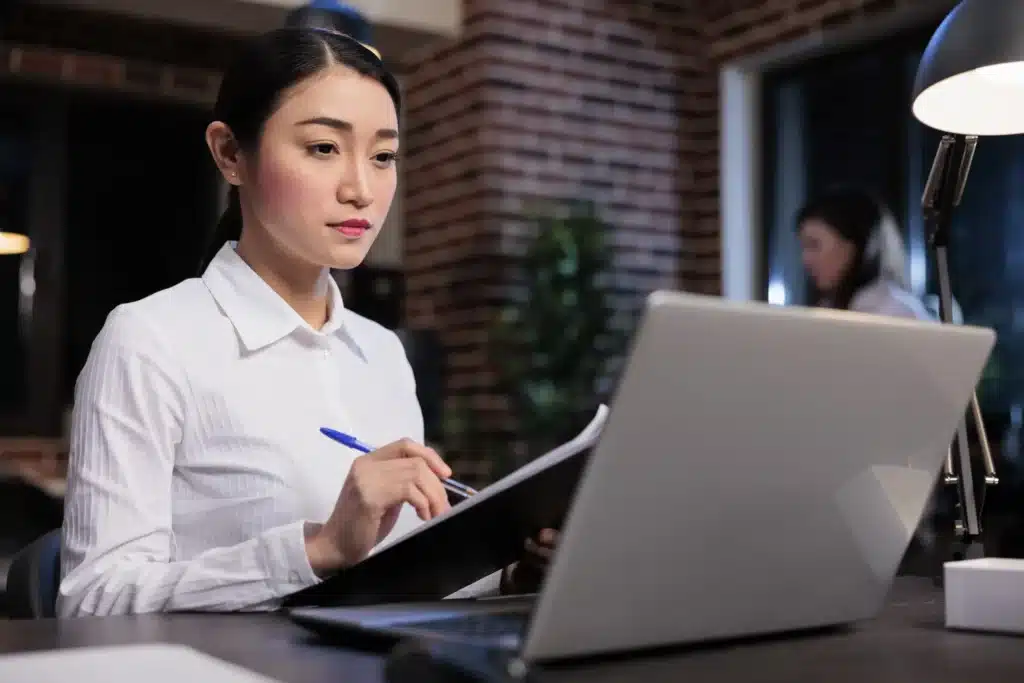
x=852, y=250
x=198, y=477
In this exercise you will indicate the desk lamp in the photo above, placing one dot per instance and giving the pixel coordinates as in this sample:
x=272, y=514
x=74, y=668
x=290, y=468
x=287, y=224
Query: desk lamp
x=970, y=83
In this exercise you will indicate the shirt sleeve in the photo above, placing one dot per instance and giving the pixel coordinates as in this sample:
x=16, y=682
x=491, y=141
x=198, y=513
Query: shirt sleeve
x=118, y=546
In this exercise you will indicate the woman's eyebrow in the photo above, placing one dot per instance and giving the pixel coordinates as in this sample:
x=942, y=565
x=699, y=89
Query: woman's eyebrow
x=346, y=127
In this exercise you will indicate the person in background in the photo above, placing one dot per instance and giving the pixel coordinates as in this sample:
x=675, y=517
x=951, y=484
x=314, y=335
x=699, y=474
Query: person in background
x=198, y=478
x=852, y=251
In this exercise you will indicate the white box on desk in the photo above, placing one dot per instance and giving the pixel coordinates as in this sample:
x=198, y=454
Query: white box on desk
x=985, y=594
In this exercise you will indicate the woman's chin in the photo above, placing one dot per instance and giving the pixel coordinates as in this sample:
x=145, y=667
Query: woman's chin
x=347, y=255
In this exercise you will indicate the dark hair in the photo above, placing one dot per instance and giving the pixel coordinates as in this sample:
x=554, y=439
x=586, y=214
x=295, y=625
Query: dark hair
x=863, y=220
x=252, y=88
x=333, y=15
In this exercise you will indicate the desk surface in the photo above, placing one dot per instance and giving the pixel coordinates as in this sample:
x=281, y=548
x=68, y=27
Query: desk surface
x=906, y=644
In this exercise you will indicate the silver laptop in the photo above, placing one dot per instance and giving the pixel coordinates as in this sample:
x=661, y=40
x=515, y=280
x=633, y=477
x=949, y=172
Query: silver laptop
x=763, y=470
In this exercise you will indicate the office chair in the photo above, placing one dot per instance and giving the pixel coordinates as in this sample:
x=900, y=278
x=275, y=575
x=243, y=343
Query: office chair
x=34, y=578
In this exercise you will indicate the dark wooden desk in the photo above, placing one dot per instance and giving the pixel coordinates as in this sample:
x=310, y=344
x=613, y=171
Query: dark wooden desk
x=907, y=644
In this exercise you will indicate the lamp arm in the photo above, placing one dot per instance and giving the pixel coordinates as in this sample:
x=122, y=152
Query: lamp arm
x=942, y=194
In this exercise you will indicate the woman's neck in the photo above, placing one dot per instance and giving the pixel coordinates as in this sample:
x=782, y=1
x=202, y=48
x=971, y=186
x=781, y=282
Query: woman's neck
x=301, y=285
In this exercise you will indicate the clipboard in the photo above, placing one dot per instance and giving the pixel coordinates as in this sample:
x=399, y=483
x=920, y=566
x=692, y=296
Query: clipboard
x=473, y=539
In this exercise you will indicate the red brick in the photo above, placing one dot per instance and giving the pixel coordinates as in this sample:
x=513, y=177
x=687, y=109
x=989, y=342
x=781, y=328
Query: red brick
x=40, y=62
x=96, y=70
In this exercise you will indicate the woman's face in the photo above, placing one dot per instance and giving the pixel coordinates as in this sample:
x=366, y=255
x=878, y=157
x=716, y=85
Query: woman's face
x=826, y=255
x=324, y=176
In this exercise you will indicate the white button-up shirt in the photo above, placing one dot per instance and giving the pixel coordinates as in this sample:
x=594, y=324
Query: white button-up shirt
x=196, y=457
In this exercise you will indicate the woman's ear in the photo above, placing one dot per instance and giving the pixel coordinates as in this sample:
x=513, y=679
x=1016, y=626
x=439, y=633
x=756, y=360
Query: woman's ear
x=225, y=151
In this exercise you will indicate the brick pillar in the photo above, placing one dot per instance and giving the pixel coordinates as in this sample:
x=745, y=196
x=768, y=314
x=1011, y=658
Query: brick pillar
x=551, y=100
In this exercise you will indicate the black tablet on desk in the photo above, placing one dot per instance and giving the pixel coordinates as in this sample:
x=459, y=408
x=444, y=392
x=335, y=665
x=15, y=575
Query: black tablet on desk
x=475, y=538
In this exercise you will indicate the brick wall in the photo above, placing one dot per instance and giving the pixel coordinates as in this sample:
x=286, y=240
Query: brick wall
x=84, y=70
x=75, y=48
x=132, y=38
x=562, y=99
x=552, y=101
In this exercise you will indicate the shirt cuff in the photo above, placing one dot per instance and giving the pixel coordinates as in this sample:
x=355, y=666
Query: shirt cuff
x=285, y=562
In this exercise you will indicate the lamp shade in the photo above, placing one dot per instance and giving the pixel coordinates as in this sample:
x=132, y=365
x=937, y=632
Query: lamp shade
x=971, y=77
x=13, y=243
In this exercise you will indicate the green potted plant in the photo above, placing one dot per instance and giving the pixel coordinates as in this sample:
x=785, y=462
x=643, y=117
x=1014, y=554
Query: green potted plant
x=553, y=347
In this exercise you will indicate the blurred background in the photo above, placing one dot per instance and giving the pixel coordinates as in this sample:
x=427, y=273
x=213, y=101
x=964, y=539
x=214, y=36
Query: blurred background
x=561, y=159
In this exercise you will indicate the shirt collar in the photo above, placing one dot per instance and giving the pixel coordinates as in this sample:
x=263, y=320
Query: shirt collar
x=259, y=315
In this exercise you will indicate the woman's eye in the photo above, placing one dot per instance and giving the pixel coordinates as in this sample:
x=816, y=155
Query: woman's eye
x=323, y=149
x=385, y=159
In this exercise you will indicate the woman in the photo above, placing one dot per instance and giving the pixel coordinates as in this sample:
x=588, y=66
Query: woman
x=854, y=255
x=198, y=479
x=852, y=251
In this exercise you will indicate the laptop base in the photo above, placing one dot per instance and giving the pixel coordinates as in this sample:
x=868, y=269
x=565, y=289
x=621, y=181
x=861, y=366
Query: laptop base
x=492, y=623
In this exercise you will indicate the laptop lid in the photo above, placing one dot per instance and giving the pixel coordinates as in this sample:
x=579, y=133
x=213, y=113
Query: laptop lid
x=763, y=470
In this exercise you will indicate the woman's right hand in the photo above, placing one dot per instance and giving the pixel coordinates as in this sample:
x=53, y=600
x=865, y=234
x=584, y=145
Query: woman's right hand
x=372, y=496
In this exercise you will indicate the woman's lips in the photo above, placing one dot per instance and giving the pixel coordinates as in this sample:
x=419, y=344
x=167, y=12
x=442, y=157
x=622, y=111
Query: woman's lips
x=353, y=228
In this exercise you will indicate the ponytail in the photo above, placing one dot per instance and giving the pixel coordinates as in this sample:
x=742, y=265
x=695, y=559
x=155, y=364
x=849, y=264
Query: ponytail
x=228, y=228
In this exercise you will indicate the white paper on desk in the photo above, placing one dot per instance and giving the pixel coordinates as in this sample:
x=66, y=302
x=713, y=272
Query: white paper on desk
x=154, y=663
x=587, y=437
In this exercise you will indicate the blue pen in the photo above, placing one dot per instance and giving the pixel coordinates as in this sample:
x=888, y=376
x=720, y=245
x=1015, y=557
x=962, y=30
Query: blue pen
x=352, y=442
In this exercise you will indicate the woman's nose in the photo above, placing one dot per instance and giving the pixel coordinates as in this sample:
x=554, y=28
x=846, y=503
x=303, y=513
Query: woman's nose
x=355, y=186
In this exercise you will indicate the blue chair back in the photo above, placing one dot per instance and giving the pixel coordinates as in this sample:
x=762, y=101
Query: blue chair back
x=34, y=579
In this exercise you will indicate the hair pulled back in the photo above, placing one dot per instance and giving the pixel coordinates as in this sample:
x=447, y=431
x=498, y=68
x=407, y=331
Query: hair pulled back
x=253, y=87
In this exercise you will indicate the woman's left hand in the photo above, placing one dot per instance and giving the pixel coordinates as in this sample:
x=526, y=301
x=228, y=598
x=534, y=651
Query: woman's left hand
x=525, y=576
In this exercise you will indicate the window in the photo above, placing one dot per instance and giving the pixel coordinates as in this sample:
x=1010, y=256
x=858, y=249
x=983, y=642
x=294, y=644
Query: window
x=986, y=255
x=141, y=200
x=116, y=207
x=846, y=118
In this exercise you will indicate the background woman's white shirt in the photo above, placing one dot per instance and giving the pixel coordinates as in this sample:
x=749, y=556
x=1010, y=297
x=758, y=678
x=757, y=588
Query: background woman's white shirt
x=883, y=297
x=196, y=461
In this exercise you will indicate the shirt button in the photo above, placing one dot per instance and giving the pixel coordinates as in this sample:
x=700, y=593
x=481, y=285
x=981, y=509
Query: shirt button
x=295, y=576
x=327, y=353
